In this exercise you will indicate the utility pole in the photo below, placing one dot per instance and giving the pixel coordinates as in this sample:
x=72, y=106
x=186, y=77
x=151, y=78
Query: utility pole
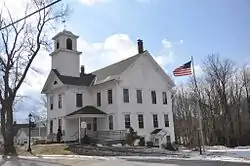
x=29, y=148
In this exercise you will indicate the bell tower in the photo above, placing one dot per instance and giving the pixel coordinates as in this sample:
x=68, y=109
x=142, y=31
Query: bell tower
x=65, y=57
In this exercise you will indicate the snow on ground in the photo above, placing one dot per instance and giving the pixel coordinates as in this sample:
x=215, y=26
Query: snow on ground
x=197, y=157
x=241, y=151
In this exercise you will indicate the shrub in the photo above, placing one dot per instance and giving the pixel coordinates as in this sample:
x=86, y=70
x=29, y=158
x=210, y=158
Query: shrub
x=131, y=137
x=59, y=135
x=142, y=141
x=150, y=144
x=170, y=146
x=85, y=140
x=40, y=142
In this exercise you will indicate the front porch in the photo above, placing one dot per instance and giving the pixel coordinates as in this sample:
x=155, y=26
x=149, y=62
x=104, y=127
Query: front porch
x=96, y=126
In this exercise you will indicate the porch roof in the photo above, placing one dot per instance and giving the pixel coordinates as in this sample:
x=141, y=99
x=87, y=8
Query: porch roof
x=87, y=110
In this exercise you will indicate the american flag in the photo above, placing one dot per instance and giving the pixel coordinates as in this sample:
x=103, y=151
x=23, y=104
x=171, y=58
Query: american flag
x=183, y=70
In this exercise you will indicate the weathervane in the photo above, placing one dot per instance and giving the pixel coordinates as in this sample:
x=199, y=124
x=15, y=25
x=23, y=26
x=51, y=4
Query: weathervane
x=64, y=24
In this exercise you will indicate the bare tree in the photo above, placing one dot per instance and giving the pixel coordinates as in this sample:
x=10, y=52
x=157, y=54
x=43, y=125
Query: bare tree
x=39, y=114
x=219, y=72
x=246, y=84
x=224, y=98
x=20, y=43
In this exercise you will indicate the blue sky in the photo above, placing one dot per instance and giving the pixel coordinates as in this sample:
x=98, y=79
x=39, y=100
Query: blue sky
x=214, y=26
x=172, y=30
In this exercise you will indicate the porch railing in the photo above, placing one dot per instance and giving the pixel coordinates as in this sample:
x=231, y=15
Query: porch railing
x=103, y=136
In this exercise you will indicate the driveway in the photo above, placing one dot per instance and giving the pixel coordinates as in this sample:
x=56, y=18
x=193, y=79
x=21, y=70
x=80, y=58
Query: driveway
x=15, y=161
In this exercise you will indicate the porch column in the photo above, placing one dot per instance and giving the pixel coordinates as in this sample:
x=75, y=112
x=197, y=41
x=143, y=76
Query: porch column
x=79, y=127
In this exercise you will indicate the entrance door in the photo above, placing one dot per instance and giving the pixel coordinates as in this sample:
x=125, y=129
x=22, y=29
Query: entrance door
x=94, y=124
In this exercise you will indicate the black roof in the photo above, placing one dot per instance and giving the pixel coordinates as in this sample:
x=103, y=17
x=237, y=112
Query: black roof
x=87, y=110
x=83, y=80
x=156, y=131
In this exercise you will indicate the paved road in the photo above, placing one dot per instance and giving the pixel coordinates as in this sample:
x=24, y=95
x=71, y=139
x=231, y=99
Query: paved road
x=94, y=162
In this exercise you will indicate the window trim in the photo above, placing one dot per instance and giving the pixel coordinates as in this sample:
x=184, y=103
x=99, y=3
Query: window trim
x=110, y=97
x=81, y=103
x=60, y=101
x=139, y=99
x=166, y=121
x=98, y=99
x=140, y=122
x=51, y=102
x=125, y=99
x=155, y=121
x=69, y=44
x=153, y=94
x=111, y=122
x=164, y=98
x=127, y=123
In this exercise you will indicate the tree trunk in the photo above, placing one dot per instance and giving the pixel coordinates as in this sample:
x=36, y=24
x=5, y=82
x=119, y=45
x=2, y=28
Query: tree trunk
x=8, y=129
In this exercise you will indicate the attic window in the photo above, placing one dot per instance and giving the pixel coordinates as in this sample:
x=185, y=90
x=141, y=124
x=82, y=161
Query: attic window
x=55, y=82
x=69, y=44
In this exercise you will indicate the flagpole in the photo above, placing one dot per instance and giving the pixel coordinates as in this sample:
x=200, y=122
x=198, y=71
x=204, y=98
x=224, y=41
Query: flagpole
x=198, y=106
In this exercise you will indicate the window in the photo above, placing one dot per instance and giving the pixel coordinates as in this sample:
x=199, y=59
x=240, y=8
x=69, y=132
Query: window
x=51, y=127
x=139, y=96
x=166, y=121
x=153, y=96
x=57, y=44
x=98, y=99
x=95, y=124
x=168, y=139
x=127, y=121
x=164, y=98
x=110, y=98
x=125, y=95
x=140, y=121
x=60, y=101
x=88, y=126
x=157, y=141
x=69, y=44
x=51, y=102
x=111, y=126
x=79, y=100
x=155, y=121
x=59, y=123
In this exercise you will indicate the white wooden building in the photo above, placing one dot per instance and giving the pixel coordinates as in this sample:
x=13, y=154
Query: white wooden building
x=134, y=93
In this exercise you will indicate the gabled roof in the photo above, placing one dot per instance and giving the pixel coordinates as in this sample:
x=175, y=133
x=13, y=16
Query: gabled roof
x=34, y=132
x=87, y=110
x=156, y=131
x=84, y=80
x=18, y=127
x=105, y=74
x=112, y=71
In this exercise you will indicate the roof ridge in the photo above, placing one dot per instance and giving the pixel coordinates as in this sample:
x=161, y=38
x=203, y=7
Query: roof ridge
x=113, y=64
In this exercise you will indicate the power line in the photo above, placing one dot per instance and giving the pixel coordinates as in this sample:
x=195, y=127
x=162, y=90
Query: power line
x=30, y=14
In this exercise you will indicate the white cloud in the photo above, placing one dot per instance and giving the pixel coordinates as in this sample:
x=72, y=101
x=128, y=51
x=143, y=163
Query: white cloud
x=113, y=49
x=166, y=43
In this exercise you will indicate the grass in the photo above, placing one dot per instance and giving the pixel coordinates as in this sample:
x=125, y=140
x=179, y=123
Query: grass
x=46, y=149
